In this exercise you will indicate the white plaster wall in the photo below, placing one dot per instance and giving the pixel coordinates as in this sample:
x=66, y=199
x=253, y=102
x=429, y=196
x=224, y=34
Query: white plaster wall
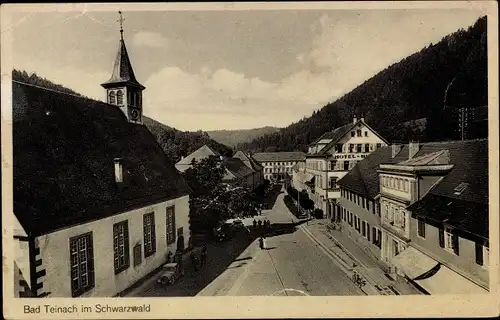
x=54, y=249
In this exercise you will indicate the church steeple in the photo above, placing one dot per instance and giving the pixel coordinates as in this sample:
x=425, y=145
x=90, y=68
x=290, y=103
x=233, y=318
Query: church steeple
x=123, y=89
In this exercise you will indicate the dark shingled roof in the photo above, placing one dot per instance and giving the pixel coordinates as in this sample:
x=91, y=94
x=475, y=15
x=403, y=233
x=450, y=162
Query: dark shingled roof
x=469, y=158
x=122, y=70
x=467, y=211
x=64, y=147
x=237, y=167
x=279, y=156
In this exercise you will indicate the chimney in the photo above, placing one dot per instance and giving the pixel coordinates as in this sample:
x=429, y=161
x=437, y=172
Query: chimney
x=118, y=170
x=395, y=150
x=413, y=148
x=355, y=119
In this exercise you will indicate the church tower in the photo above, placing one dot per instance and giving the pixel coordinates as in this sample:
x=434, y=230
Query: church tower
x=123, y=89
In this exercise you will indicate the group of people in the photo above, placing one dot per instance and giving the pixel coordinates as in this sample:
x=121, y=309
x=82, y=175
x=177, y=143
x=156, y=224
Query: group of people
x=201, y=261
x=257, y=225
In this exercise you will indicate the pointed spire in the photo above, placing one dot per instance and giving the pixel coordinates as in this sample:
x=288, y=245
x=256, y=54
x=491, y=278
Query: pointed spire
x=123, y=74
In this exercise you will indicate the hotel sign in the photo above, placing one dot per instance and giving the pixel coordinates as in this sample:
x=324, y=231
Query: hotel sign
x=355, y=156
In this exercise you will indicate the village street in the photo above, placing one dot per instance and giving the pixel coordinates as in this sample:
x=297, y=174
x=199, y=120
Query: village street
x=292, y=265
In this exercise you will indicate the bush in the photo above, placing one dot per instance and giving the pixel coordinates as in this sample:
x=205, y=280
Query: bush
x=290, y=204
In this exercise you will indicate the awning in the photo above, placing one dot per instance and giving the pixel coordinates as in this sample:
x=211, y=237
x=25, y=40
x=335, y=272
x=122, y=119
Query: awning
x=447, y=281
x=413, y=262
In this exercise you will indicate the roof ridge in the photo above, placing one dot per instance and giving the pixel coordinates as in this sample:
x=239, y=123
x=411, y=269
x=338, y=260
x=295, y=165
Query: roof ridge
x=76, y=94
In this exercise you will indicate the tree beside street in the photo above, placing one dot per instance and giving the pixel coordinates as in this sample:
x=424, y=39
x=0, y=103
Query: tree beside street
x=213, y=200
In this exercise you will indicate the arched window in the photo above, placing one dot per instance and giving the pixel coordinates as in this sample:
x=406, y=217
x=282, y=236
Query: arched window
x=119, y=97
x=112, y=97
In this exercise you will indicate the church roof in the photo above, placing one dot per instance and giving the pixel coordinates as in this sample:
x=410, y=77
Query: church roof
x=122, y=70
x=64, y=151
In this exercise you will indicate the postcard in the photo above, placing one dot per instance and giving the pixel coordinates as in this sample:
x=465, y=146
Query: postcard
x=250, y=160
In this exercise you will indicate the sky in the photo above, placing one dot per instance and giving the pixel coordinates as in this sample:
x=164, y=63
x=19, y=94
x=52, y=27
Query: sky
x=214, y=70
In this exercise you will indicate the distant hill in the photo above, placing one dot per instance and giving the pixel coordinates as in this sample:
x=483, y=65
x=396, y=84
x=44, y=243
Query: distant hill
x=431, y=84
x=175, y=143
x=232, y=138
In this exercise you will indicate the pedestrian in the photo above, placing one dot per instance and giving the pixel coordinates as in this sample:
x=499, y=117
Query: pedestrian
x=203, y=255
x=261, y=243
x=264, y=243
x=169, y=257
x=254, y=224
x=268, y=224
x=260, y=224
x=194, y=261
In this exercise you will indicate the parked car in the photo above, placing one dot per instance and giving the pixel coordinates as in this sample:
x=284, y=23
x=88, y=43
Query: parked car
x=170, y=273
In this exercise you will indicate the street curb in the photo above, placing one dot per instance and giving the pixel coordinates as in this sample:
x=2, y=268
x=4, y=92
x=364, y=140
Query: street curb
x=345, y=268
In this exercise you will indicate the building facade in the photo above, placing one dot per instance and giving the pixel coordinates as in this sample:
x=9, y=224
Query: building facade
x=97, y=203
x=333, y=155
x=435, y=216
x=276, y=165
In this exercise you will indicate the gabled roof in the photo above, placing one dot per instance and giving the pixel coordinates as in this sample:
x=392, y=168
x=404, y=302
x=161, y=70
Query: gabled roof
x=336, y=134
x=123, y=73
x=248, y=161
x=470, y=165
x=237, y=167
x=64, y=151
x=202, y=153
x=472, y=217
x=363, y=178
x=339, y=133
x=279, y=156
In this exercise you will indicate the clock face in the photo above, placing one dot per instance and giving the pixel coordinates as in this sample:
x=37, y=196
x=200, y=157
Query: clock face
x=134, y=114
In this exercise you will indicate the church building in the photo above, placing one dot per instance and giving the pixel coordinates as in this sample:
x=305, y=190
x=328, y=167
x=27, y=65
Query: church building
x=97, y=203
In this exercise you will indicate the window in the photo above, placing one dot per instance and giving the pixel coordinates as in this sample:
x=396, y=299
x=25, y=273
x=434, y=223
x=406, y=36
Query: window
x=346, y=165
x=351, y=148
x=366, y=133
x=170, y=225
x=358, y=132
x=363, y=202
x=137, y=255
x=112, y=97
x=367, y=204
x=402, y=212
x=367, y=147
x=82, y=264
x=363, y=228
x=149, y=234
x=121, y=246
x=421, y=227
x=368, y=231
x=358, y=148
x=353, y=134
x=395, y=247
x=119, y=97
x=449, y=240
x=333, y=182
x=379, y=145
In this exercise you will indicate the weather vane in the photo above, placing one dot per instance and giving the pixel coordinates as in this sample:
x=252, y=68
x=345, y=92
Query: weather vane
x=120, y=20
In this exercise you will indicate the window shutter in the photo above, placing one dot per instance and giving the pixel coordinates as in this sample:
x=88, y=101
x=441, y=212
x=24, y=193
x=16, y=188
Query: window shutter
x=91, y=259
x=456, y=248
x=153, y=233
x=174, y=227
x=479, y=253
x=441, y=237
x=126, y=244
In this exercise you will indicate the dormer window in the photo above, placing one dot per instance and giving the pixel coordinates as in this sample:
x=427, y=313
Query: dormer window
x=112, y=97
x=460, y=188
x=119, y=97
x=358, y=133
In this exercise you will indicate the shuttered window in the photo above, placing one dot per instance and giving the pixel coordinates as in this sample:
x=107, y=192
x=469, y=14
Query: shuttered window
x=170, y=225
x=121, y=246
x=149, y=234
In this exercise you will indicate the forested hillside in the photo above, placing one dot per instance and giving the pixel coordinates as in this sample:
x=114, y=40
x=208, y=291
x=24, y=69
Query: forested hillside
x=175, y=143
x=232, y=138
x=452, y=72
